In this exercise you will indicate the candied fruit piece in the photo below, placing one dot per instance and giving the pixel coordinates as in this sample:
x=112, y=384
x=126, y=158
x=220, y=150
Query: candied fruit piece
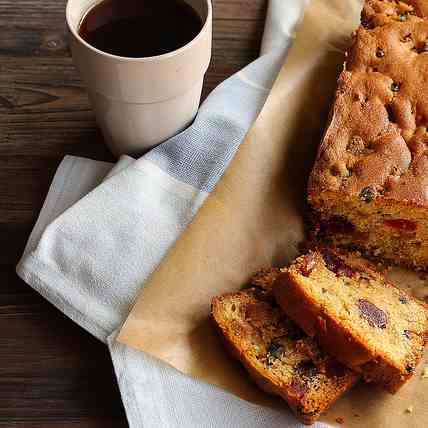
x=375, y=316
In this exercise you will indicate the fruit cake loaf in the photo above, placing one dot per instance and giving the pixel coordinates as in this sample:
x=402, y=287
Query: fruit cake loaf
x=280, y=358
x=355, y=314
x=369, y=184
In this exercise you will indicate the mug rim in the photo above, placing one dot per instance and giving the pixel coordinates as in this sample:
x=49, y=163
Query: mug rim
x=166, y=55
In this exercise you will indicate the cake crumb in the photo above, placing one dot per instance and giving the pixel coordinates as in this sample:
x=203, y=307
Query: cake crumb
x=424, y=374
x=340, y=420
x=409, y=409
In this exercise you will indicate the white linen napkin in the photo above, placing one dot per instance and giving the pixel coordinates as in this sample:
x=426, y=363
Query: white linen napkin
x=103, y=229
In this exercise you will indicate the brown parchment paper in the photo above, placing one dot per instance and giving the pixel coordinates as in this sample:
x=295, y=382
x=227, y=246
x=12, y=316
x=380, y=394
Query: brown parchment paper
x=254, y=219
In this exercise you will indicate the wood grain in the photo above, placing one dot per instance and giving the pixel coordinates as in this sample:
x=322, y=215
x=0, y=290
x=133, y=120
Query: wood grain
x=52, y=373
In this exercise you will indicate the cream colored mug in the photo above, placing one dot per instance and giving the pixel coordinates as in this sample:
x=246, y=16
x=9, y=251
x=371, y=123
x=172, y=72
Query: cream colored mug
x=140, y=102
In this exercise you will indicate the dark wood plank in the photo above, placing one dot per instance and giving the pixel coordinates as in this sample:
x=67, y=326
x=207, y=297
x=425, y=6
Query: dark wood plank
x=81, y=423
x=35, y=38
x=50, y=369
x=52, y=373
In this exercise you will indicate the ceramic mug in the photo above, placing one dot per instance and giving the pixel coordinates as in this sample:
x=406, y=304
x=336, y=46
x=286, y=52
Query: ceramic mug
x=140, y=102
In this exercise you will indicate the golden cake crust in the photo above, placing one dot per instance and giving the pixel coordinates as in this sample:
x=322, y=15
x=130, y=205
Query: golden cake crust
x=377, y=137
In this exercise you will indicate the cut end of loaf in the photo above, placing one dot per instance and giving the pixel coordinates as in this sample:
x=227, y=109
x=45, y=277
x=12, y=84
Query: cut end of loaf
x=380, y=228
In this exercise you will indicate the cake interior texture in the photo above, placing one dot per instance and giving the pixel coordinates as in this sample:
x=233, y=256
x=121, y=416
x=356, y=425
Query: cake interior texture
x=382, y=330
x=369, y=184
x=279, y=356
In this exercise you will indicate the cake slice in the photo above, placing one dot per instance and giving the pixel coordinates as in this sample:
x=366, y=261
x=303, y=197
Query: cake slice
x=279, y=357
x=369, y=184
x=355, y=314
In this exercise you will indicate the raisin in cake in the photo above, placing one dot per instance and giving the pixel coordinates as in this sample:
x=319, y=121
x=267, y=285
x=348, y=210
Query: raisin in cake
x=277, y=354
x=369, y=184
x=355, y=314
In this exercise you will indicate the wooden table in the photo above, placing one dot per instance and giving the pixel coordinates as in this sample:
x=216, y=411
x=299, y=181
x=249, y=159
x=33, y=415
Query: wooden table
x=52, y=373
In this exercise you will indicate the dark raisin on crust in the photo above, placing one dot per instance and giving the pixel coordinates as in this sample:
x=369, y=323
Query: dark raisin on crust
x=336, y=264
x=366, y=23
x=367, y=194
x=404, y=300
x=375, y=316
x=380, y=53
x=409, y=368
x=395, y=87
x=407, y=334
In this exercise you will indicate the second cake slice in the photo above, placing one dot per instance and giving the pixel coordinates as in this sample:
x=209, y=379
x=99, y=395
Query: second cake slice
x=364, y=321
x=280, y=358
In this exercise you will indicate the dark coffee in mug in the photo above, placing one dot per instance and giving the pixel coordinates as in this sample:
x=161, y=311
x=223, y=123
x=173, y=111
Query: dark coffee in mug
x=140, y=28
